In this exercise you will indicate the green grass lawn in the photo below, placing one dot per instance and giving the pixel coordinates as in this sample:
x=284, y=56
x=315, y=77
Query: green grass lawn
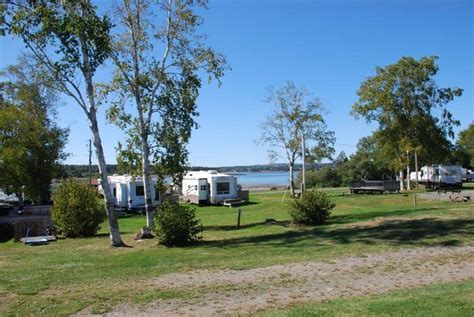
x=70, y=274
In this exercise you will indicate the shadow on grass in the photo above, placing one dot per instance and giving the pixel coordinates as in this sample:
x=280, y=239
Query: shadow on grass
x=247, y=203
x=419, y=232
x=250, y=225
x=364, y=216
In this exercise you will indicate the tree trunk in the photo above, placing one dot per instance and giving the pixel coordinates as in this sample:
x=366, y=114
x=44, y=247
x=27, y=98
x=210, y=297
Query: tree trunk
x=400, y=177
x=408, y=172
x=408, y=178
x=115, y=238
x=303, y=158
x=146, y=182
x=416, y=169
x=292, y=184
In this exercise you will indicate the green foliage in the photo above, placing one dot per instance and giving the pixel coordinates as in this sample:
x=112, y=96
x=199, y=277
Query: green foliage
x=326, y=176
x=76, y=211
x=401, y=98
x=296, y=115
x=465, y=144
x=368, y=163
x=176, y=225
x=160, y=65
x=65, y=25
x=313, y=208
x=31, y=144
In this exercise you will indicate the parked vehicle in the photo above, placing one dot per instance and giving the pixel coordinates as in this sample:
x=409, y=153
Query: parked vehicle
x=129, y=193
x=374, y=187
x=467, y=175
x=439, y=176
x=209, y=187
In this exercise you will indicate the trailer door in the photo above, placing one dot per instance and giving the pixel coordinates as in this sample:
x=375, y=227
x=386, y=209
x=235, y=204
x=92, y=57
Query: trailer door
x=202, y=190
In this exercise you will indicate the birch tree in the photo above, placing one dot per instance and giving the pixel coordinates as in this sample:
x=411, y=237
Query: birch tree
x=158, y=57
x=71, y=40
x=403, y=99
x=294, y=115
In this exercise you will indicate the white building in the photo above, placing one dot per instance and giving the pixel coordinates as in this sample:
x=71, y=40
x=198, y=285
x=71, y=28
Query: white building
x=202, y=187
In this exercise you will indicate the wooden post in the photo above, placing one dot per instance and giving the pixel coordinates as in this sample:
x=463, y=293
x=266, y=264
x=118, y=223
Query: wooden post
x=414, y=200
x=238, y=217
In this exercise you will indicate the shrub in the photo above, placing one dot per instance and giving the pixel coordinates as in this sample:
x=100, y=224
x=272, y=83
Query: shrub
x=76, y=211
x=313, y=208
x=176, y=224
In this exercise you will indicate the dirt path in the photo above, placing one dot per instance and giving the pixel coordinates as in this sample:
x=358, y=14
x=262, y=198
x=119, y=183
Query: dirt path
x=223, y=292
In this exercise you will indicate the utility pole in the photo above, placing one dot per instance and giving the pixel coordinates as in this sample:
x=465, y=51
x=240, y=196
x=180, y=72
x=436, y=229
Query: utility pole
x=90, y=162
x=303, y=156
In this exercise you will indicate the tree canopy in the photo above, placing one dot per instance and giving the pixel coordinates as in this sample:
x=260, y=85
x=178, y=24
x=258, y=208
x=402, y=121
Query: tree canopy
x=465, y=144
x=71, y=39
x=403, y=98
x=31, y=144
x=295, y=115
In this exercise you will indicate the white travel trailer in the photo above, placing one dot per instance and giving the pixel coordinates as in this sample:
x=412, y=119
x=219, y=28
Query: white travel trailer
x=439, y=176
x=129, y=193
x=467, y=175
x=209, y=187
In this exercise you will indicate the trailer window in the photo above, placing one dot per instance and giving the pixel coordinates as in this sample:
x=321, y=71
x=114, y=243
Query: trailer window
x=203, y=187
x=223, y=188
x=140, y=190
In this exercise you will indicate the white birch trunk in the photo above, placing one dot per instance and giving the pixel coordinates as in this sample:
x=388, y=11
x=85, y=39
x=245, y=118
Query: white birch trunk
x=115, y=238
x=408, y=172
x=400, y=177
x=292, y=183
x=408, y=178
x=416, y=168
x=147, y=182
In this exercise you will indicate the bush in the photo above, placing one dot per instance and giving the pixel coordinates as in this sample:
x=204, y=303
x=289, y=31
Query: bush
x=313, y=208
x=176, y=224
x=76, y=211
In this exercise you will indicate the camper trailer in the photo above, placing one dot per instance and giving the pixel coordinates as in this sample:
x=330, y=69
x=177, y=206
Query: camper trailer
x=129, y=193
x=209, y=187
x=467, y=175
x=439, y=176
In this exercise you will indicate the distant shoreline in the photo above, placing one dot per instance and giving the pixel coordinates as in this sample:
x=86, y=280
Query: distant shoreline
x=262, y=187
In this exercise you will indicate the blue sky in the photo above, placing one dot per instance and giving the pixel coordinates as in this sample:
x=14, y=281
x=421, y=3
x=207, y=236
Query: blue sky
x=329, y=47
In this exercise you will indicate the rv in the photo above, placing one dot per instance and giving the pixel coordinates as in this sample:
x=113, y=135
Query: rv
x=209, y=187
x=129, y=193
x=467, y=175
x=439, y=176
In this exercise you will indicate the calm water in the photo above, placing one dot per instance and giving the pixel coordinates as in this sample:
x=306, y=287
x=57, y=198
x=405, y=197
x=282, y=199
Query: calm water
x=265, y=178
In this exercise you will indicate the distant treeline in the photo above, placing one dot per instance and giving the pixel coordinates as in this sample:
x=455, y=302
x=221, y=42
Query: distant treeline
x=83, y=170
